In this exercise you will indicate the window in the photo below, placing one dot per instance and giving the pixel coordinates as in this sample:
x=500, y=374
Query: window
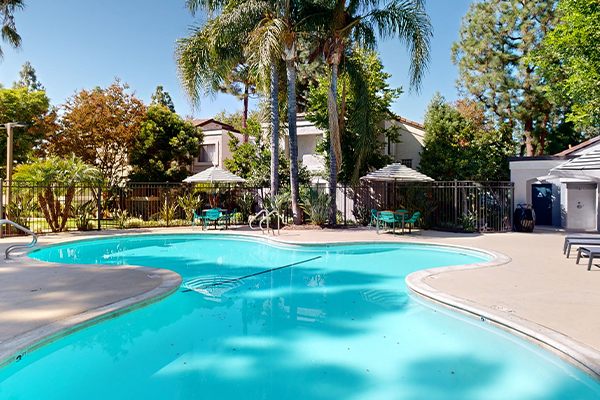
x=407, y=162
x=208, y=153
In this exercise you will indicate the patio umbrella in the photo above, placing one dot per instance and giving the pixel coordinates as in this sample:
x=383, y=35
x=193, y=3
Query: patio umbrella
x=397, y=172
x=214, y=174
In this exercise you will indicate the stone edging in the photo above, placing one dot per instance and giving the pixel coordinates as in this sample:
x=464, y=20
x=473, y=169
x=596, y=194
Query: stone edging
x=581, y=356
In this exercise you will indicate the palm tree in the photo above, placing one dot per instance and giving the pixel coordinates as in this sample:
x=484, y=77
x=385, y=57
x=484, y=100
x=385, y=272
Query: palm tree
x=58, y=178
x=276, y=36
x=208, y=55
x=9, y=32
x=359, y=21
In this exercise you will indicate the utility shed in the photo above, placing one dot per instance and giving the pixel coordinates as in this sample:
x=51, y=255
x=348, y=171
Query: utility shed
x=563, y=188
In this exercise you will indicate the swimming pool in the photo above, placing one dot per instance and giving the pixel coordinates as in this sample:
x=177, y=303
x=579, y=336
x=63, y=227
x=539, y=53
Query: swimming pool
x=323, y=322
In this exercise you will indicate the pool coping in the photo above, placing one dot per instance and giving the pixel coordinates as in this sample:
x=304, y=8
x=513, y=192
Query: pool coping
x=580, y=355
x=13, y=350
x=583, y=357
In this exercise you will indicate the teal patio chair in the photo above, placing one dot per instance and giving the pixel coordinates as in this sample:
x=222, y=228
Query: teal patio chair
x=202, y=219
x=387, y=218
x=413, y=222
x=226, y=218
x=212, y=215
x=373, y=218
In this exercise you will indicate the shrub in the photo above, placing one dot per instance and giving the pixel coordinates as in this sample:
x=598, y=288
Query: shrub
x=316, y=205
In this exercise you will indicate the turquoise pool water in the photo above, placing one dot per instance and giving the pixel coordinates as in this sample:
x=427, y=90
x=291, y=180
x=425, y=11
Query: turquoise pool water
x=337, y=323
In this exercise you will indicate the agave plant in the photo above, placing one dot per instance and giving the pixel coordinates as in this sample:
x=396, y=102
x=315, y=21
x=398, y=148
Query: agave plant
x=189, y=203
x=167, y=212
x=84, y=214
x=316, y=204
x=21, y=209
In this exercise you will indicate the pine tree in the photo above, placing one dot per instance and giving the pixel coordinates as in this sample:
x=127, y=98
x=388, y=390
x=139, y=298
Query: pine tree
x=496, y=36
x=28, y=79
x=162, y=98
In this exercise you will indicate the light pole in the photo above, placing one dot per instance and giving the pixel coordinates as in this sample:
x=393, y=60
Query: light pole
x=9, y=146
x=9, y=152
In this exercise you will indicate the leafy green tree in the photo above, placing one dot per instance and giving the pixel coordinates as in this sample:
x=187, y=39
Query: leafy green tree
x=32, y=108
x=236, y=118
x=28, y=79
x=569, y=61
x=361, y=144
x=164, y=148
x=9, y=31
x=496, y=37
x=59, y=177
x=454, y=149
x=251, y=160
x=446, y=154
x=162, y=98
x=361, y=22
x=99, y=126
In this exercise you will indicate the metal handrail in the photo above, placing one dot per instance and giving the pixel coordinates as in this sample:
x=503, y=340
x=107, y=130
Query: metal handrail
x=10, y=248
x=267, y=216
x=255, y=217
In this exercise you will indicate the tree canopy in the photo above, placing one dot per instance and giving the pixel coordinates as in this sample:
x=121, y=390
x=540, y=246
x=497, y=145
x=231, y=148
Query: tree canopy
x=32, y=108
x=496, y=36
x=164, y=148
x=251, y=160
x=569, y=61
x=455, y=149
x=28, y=79
x=8, y=30
x=370, y=95
x=162, y=98
x=99, y=126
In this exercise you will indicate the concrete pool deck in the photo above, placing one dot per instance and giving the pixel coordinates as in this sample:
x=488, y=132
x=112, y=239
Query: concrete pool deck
x=534, y=290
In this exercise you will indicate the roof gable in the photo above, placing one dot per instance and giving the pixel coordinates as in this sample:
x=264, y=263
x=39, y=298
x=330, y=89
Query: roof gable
x=210, y=124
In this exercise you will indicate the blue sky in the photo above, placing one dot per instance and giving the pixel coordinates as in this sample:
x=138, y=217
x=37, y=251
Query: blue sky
x=74, y=45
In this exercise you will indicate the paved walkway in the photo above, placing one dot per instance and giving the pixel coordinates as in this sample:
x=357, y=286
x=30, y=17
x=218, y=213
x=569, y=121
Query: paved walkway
x=538, y=286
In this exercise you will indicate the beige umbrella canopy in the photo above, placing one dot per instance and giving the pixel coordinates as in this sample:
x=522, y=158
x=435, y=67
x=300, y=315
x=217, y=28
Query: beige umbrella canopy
x=214, y=174
x=397, y=172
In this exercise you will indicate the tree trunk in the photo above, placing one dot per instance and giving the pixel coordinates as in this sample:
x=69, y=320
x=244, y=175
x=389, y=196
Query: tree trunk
x=528, y=133
x=67, y=209
x=334, y=139
x=294, y=181
x=45, y=210
x=245, y=112
x=274, y=129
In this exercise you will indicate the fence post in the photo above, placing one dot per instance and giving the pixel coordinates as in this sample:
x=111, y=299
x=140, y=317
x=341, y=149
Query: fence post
x=99, y=213
x=455, y=186
x=167, y=205
x=345, y=202
x=512, y=205
x=1, y=206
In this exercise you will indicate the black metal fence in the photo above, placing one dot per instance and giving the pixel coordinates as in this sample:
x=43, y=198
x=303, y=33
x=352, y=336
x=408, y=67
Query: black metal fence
x=457, y=205
x=465, y=206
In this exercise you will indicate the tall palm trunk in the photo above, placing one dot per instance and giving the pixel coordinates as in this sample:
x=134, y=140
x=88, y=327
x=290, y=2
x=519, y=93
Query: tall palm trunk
x=294, y=181
x=274, y=129
x=334, y=139
x=245, y=111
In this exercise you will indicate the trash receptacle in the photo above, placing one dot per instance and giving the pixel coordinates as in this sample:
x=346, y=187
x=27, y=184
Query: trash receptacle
x=524, y=218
